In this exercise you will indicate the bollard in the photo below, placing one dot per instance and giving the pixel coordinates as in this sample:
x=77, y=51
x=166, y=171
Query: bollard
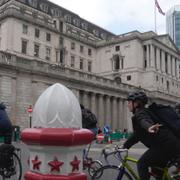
x=57, y=140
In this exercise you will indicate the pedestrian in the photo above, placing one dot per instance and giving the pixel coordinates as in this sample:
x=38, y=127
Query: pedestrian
x=162, y=144
x=89, y=120
x=5, y=125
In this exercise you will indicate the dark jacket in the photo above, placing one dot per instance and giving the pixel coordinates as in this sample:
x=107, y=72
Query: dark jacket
x=89, y=120
x=141, y=121
x=5, y=123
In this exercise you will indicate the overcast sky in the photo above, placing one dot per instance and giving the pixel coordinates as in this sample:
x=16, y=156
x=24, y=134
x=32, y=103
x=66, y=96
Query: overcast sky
x=120, y=16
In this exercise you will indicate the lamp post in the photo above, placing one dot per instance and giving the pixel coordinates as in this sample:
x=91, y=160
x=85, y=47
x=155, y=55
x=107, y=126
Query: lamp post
x=30, y=110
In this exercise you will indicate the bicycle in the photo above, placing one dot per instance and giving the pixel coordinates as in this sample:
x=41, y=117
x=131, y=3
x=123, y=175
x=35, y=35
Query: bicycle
x=10, y=163
x=91, y=165
x=124, y=170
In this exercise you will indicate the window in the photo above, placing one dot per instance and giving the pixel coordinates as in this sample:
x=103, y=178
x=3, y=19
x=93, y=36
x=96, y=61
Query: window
x=48, y=37
x=0, y=28
x=81, y=48
x=48, y=53
x=89, y=52
x=55, y=23
x=57, y=56
x=36, y=50
x=44, y=7
x=61, y=26
x=81, y=64
x=76, y=22
x=37, y=33
x=24, y=46
x=68, y=18
x=72, y=45
x=89, y=66
x=61, y=56
x=116, y=62
x=33, y=3
x=128, y=77
x=72, y=61
x=117, y=48
x=61, y=40
x=84, y=26
x=25, y=29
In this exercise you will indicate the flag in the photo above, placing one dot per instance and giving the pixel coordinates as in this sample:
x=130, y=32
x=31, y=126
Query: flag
x=159, y=8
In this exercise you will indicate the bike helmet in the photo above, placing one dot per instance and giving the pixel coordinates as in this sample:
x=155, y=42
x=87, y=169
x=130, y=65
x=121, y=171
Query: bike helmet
x=177, y=105
x=138, y=95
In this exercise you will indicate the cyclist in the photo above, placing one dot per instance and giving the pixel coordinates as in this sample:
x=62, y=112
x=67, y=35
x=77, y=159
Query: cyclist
x=177, y=109
x=161, y=142
x=5, y=124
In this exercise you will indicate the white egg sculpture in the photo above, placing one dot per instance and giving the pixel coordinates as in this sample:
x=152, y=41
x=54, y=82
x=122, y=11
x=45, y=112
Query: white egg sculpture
x=57, y=107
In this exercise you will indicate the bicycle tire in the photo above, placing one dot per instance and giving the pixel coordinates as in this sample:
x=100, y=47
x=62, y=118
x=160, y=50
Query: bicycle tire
x=111, y=172
x=95, y=165
x=15, y=173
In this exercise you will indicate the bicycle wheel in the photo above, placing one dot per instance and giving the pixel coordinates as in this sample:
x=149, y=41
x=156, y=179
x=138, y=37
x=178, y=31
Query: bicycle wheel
x=14, y=172
x=111, y=172
x=94, y=166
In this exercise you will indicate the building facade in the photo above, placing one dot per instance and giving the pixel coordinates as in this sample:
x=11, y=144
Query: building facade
x=173, y=24
x=42, y=43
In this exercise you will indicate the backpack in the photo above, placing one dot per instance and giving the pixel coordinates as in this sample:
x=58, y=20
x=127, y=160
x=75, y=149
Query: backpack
x=166, y=115
x=89, y=120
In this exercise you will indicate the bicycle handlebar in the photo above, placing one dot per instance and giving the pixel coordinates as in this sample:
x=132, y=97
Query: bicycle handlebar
x=117, y=153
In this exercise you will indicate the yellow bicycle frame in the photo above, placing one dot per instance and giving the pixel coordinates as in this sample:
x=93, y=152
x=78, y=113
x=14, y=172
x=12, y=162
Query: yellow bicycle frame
x=125, y=164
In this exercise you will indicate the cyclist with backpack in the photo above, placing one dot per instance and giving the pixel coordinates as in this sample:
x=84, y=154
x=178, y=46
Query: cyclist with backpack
x=177, y=170
x=161, y=142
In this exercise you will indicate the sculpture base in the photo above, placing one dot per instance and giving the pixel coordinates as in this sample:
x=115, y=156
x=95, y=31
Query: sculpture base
x=35, y=176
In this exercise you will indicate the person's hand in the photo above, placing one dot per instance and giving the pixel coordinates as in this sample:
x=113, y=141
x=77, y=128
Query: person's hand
x=154, y=128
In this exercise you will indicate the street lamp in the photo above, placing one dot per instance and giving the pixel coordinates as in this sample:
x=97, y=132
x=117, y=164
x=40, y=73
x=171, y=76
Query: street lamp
x=30, y=110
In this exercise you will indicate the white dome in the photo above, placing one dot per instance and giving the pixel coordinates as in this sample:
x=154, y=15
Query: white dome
x=57, y=107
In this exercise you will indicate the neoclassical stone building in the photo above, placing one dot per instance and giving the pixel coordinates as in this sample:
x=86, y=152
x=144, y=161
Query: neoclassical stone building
x=42, y=43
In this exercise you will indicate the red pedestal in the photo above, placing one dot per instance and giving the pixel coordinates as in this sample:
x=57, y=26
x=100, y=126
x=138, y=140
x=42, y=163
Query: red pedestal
x=57, y=138
x=35, y=176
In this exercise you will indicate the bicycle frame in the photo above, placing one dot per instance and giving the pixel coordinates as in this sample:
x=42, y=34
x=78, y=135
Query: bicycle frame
x=125, y=164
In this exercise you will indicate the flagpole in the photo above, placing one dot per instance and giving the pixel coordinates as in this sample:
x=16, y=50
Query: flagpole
x=155, y=28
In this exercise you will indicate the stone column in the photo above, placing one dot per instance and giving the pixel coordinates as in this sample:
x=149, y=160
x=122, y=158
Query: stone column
x=163, y=61
x=152, y=60
x=169, y=64
x=121, y=114
x=85, y=99
x=158, y=59
x=114, y=114
x=100, y=113
x=93, y=103
x=108, y=112
x=13, y=107
x=148, y=55
x=173, y=67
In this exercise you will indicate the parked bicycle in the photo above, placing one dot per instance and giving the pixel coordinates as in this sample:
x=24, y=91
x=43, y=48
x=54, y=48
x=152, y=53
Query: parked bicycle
x=125, y=171
x=10, y=163
x=89, y=164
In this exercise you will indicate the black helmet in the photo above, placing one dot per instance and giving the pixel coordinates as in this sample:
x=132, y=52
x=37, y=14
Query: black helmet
x=177, y=105
x=138, y=95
